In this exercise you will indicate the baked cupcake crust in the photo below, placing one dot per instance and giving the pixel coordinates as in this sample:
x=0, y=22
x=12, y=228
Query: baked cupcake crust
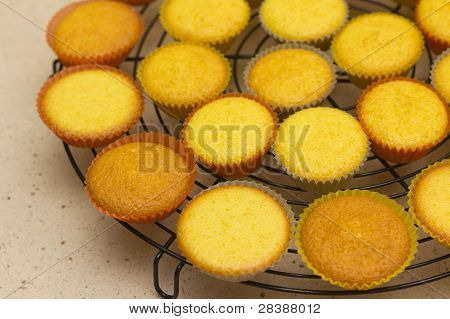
x=67, y=30
x=409, y=129
x=440, y=74
x=235, y=230
x=141, y=193
x=356, y=239
x=95, y=137
x=236, y=166
x=429, y=201
x=365, y=50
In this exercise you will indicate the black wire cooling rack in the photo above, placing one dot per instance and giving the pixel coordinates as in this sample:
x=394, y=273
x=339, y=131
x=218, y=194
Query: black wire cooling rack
x=378, y=174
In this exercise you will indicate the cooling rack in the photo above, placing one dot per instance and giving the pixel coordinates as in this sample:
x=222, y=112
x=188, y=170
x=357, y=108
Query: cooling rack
x=390, y=179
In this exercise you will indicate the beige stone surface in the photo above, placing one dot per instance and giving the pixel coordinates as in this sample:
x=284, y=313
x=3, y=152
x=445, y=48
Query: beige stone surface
x=53, y=244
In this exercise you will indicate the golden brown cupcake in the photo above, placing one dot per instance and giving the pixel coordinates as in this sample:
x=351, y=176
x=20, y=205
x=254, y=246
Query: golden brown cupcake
x=90, y=105
x=429, y=201
x=231, y=134
x=404, y=118
x=440, y=75
x=141, y=178
x=433, y=19
x=94, y=31
x=356, y=239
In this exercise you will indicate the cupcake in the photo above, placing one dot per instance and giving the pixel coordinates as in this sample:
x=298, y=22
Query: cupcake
x=440, y=75
x=231, y=134
x=368, y=52
x=310, y=21
x=235, y=230
x=141, y=178
x=213, y=22
x=137, y=2
x=90, y=105
x=429, y=201
x=290, y=77
x=433, y=19
x=322, y=148
x=94, y=31
x=180, y=76
x=404, y=118
x=356, y=239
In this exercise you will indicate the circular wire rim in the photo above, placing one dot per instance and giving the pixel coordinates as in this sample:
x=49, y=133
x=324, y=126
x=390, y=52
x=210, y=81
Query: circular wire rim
x=164, y=248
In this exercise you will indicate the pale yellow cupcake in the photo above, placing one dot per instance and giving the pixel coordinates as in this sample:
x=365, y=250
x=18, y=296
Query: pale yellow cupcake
x=235, y=230
x=377, y=46
x=433, y=19
x=290, y=77
x=90, y=105
x=440, y=74
x=404, y=118
x=94, y=32
x=322, y=147
x=356, y=239
x=429, y=200
x=231, y=134
x=180, y=76
x=309, y=21
x=213, y=22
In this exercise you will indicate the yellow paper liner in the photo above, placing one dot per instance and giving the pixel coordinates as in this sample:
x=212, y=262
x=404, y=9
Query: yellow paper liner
x=433, y=71
x=396, y=154
x=245, y=166
x=321, y=187
x=180, y=111
x=222, y=43
x=322, y=43
x=99, y=139
x=442, y=238
x=436, y=44
x=363, y=79
x=284, y=111
x=71, y=57
x=379, y=197
x=246, y=274
x=155, y=138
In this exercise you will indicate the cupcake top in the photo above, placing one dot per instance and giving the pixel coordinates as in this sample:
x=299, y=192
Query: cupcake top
x=440, y=76
x=291, y=76
x=362, y=48
x=140, y=179
x=90, y=103
x=234, y=230
x=303, y=20
x=94, y=31
x=163, y=74
x=429, y=200
x=321, y=144
x=204, y=21
x=403, y=113
x=231, y=129
x=433, y=17
x=356, y=239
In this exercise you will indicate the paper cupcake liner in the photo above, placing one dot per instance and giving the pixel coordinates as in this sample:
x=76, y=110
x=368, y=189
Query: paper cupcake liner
x=322, y=187
x=392, y=153
x=322, y=43
x=150, y=137
x=252, y=272
x=180, y=111
x=244, y=167
x=222, y=43
x=113, y=58
x=282, y=111
x=439, y=237
x=436, y=45
x=433, y=69
x=384, y=199
x=92, y=141
x=363, y=79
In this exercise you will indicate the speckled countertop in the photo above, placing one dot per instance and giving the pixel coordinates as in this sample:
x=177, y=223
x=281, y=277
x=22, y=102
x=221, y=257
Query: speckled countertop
x=53, y=244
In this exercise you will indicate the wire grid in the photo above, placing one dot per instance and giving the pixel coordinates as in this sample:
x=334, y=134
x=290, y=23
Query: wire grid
x=394, y=177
